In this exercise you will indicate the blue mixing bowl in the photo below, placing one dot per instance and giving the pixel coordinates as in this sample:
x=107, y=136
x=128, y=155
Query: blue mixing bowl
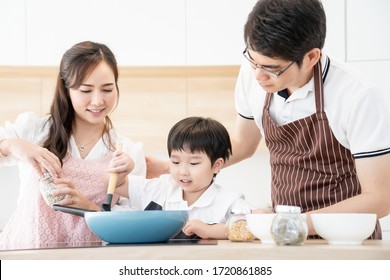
x=136, y=226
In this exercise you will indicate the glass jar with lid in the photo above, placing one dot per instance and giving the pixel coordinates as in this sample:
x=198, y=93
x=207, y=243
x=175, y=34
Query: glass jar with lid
x=236, y=226
x=289, y=226
x=46, y=187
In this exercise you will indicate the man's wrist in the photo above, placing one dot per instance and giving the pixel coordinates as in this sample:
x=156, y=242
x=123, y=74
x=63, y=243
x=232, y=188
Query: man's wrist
x=166, y=171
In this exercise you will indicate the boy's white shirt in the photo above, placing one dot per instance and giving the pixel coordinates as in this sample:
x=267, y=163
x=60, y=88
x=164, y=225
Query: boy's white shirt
x=213, y=206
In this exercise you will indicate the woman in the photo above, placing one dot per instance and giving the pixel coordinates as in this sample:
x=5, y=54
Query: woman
x=75, y=143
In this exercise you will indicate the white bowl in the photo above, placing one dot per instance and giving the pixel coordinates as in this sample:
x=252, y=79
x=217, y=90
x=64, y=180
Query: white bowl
x=344, y=228
x=260, y=226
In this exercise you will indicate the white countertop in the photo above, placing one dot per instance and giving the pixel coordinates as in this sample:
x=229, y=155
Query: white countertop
x=223, y=250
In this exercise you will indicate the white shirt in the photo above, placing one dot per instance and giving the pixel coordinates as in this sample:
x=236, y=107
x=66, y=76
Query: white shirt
x=30, y=127
x=357, y=111
x=212, y=207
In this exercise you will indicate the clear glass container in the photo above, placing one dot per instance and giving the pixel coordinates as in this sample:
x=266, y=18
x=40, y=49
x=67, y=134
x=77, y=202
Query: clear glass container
x=236, y=226
x=46, y=187
x=289, y=226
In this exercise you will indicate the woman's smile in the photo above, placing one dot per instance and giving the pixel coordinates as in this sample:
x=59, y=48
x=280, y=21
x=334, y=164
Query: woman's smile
x=96, y=112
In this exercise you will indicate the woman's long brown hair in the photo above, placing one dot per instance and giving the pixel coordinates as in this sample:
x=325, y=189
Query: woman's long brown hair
x=76, y=64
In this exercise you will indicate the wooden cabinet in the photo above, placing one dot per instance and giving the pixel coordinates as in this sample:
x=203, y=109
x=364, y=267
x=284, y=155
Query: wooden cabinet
x=152, y=99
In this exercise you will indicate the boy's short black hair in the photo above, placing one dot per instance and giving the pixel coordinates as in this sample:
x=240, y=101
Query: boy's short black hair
x=199, y=134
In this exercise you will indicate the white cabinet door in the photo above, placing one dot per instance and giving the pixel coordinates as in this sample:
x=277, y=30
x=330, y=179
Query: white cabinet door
x=385, y=224
x=12, y=32
x=215, y=31
x=368, y=35
x=335, y=28
x=148, y=32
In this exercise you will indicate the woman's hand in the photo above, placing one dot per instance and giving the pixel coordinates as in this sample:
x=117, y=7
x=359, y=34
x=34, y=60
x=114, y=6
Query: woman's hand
x=73, y=196
x=41, y=159
x=122, y=164
x=156, y=167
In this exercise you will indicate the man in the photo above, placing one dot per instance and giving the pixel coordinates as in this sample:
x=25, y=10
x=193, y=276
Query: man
x=327, y=130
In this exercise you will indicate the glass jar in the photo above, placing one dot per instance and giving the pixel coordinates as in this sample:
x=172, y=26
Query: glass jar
x=237, y=227
x=289, y=226
x=46, y=187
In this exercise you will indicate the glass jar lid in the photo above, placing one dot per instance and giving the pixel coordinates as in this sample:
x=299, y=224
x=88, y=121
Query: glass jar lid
x=46, y=176
x=240, y=211
x=288, y=209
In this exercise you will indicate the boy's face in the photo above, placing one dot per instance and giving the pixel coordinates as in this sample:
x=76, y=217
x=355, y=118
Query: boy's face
x=193, y=171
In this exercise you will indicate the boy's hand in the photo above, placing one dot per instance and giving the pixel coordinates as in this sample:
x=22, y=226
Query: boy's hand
x=196, y=227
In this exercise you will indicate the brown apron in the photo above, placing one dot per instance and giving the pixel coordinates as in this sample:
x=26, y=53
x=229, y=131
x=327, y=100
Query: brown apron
x=309, y=167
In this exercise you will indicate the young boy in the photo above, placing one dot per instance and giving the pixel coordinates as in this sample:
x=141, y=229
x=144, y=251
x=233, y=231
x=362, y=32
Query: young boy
x=198, y=148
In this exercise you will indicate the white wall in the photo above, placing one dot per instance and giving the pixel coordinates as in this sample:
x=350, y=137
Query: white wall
x=178, y=32
x=140, y=32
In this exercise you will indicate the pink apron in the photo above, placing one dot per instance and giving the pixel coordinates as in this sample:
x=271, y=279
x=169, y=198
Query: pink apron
x=35, y=223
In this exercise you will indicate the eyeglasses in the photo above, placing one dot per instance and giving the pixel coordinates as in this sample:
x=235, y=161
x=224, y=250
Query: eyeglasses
x=255, y=65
